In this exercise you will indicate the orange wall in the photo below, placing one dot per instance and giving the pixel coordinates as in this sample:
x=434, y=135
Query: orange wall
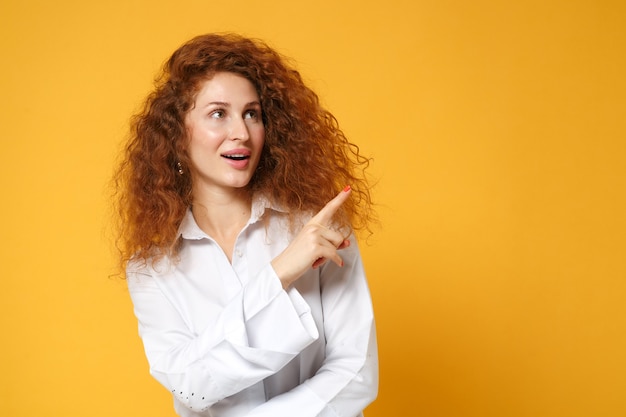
x=498, y=133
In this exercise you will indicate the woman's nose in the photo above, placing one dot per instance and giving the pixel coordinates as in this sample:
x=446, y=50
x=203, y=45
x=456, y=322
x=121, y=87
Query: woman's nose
x=239, y=129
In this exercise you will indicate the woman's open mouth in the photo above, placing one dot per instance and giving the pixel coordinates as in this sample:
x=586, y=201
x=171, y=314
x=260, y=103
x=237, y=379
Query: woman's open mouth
x=236, y=157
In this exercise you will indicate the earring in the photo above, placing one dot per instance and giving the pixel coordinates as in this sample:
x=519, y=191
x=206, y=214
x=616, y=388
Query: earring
x=179, y=166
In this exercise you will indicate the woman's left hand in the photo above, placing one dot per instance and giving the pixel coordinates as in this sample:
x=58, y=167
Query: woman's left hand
x=314, y=245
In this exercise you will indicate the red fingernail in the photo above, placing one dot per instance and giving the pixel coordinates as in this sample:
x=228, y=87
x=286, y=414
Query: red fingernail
x=346, y=188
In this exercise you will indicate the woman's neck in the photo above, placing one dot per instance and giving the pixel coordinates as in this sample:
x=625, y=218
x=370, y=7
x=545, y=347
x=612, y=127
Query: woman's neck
x=222, y=215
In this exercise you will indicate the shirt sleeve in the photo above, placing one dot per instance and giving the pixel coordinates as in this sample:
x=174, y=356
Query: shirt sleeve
x=224, y=359
x=348, y=379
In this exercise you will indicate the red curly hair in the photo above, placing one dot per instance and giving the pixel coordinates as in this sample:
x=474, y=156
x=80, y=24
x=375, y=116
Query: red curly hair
x=305, y=161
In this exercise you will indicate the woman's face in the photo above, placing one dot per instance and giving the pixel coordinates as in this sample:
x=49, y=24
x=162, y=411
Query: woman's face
x=226, y=132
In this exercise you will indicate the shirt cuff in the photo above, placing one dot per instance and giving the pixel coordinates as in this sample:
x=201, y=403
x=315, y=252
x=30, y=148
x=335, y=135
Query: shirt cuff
x=276, y=319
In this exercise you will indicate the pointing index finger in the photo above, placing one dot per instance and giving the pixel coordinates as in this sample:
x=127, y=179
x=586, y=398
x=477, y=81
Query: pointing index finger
x=325, y=215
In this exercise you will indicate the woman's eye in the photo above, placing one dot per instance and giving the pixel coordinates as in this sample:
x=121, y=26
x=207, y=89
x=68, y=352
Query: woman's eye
x=250, y=114
x=217, y=114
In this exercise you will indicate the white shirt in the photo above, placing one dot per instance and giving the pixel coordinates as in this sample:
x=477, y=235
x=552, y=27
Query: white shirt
x=226, y=340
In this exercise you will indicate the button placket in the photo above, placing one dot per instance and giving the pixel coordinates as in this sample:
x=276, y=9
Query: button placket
x=240, y=261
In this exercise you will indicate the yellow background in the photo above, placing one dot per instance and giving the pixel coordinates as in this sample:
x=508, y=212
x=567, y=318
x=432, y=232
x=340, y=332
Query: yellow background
x=498, y=133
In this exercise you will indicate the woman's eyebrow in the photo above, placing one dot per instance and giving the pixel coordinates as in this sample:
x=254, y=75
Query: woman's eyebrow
x=218, y=103
x=225, y=104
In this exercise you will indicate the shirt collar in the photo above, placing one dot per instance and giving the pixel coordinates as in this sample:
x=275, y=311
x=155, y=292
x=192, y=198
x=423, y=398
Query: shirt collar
x=189, y=229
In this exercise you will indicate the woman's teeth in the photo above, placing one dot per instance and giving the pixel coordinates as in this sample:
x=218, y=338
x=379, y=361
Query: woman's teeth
x=236, y=157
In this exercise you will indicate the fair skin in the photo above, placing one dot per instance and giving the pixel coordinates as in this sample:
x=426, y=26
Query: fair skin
x=316, y=243
x=226, y=141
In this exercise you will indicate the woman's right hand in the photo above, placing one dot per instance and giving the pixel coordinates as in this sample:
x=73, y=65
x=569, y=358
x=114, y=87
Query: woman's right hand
x=314, y=245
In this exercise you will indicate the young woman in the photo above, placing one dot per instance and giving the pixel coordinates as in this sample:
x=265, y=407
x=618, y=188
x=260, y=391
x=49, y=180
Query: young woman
x=238, y=197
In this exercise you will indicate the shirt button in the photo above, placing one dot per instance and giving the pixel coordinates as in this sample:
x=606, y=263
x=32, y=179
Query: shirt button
x=239, y=253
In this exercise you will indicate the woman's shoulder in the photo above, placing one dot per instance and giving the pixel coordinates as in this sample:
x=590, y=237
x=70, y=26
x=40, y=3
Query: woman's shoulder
x=138, y=268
